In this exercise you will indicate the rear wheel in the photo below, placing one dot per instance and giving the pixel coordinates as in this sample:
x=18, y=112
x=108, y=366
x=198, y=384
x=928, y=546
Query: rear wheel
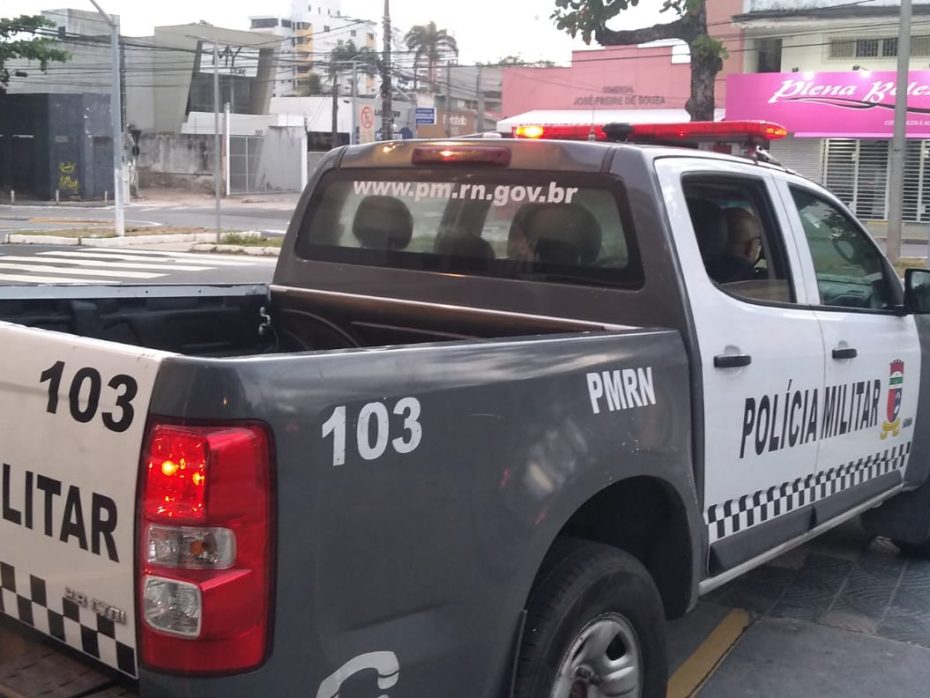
x=594, y=629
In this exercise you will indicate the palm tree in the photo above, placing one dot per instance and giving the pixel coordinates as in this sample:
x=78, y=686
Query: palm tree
x=431, y=44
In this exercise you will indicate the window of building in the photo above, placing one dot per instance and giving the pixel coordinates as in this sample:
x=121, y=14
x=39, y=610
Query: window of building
x=867, y=48
x=371, y=36
x=352, y=33
x=842, y=48
x=325, y=27
x=286, y=23
x=739, y=238
x=769, y=52
x=886, y=47
x=264, y=23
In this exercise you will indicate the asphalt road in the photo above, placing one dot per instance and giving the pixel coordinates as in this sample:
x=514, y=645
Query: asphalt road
x=39, y=264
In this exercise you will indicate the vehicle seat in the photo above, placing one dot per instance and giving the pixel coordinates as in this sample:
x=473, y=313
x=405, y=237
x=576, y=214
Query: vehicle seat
x=383, y=223
x=566, y=234
x=463, y=245
x=710, y=228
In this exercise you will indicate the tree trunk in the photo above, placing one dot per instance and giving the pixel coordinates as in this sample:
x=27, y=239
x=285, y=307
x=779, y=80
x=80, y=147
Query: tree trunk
x=704, y=69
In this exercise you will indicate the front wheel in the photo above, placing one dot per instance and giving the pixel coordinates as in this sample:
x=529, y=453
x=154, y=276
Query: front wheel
x=595, y=628
x=914, y=549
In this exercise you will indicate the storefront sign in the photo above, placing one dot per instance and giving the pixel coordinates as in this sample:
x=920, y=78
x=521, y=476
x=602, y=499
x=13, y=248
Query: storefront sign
x=619, y=95
x=856, y=104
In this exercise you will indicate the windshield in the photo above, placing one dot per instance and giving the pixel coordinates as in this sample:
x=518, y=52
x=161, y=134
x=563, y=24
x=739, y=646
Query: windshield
x=522, y=225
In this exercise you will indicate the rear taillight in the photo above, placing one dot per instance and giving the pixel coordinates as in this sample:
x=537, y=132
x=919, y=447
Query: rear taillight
x=205, y=548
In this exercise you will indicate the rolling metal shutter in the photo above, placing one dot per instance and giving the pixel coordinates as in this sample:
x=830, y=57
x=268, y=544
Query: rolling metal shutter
x=803, y=155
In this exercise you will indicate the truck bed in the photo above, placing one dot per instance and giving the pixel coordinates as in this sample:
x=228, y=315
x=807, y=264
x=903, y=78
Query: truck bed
x=245, y=320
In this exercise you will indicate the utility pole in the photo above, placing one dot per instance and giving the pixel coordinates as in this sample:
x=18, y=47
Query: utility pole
x=479, y=117
x=387, y=106
x=116, y=120
x=899, y=140
x=448, y=99
x=354, y=139
x=217, y=147
x=335, y=116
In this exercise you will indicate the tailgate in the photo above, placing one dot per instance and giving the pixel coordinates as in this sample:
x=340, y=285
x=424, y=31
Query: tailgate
x=72, y=420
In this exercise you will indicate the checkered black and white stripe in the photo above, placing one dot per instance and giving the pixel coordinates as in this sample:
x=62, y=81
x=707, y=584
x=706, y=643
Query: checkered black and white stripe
x=726, y=518
x=25, y=597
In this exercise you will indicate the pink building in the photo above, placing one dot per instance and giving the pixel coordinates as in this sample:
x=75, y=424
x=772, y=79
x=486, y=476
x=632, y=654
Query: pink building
x=609, y=82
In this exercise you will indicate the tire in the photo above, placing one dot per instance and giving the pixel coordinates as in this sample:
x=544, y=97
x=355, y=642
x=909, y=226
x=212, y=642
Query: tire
x=593, y=612
x=914, y=549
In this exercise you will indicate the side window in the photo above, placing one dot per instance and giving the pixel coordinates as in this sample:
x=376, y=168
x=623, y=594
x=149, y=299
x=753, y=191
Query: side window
x=851, y=272
x=739, y=239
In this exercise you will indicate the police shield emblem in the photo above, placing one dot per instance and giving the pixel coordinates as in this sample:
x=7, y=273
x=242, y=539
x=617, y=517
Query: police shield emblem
x=895, y=387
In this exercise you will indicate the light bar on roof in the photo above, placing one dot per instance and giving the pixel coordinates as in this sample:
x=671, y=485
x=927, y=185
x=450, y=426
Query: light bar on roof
x=688, y=132
x=562, y=132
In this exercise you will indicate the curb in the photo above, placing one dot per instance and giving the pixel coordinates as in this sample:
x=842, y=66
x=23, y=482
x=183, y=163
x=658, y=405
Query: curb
x=15, y=239
x=128, y=241
x=238, y=249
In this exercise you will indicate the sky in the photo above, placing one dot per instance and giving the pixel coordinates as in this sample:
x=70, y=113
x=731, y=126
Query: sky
x=486, y=30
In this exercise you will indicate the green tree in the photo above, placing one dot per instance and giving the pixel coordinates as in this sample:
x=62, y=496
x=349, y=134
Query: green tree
x=430, y=44
x=518, y=60
x=589, y=18
x=19, y=40
x=309, y=85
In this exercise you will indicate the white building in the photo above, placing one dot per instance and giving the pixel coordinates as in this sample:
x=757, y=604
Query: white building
x=311, y=31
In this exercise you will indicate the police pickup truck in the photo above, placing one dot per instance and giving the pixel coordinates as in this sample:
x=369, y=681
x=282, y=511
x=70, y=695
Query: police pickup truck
x=506, y=407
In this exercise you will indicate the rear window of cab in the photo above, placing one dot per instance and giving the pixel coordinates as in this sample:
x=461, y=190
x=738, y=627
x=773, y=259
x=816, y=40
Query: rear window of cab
x=536, y=226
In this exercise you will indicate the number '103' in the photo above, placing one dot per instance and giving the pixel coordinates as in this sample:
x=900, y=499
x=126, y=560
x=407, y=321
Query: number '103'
x=373, y=429
x=84, y=394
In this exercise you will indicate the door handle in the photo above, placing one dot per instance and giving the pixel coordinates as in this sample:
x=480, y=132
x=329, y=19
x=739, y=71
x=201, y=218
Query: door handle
x=732, y=360
x=845, y=353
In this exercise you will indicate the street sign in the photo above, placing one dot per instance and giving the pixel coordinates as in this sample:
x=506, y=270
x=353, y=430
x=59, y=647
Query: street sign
x=366, y=124
x=426, y=116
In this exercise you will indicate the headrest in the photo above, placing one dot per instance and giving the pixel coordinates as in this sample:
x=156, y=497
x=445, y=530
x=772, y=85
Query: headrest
x=710, y=227
x=556, y=233
x=383, y=223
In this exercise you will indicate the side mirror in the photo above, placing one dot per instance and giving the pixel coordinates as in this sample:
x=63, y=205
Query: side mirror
x=917, y=291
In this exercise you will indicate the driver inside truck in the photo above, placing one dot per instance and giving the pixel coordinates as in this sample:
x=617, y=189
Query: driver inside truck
x=744, y=240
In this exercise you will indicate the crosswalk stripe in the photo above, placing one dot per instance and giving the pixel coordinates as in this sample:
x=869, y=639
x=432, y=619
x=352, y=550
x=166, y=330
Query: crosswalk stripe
x=181, y=257
x=115, y=265
x=50, y=269
x=30, y=279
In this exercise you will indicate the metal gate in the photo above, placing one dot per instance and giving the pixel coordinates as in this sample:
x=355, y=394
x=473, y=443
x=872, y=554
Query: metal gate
x=245, y=153
x=268, y=163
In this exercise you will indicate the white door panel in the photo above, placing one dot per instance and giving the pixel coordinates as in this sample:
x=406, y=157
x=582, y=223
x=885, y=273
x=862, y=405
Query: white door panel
x=872, y=356
x=759, y=448
x=871, y=399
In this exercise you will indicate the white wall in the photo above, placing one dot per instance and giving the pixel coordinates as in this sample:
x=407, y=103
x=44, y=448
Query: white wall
x=201, y=123
x=281, y=166
x=812, y=52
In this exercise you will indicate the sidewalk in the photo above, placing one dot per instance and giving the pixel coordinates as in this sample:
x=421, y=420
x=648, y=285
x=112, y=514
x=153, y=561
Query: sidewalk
x=158, y=198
